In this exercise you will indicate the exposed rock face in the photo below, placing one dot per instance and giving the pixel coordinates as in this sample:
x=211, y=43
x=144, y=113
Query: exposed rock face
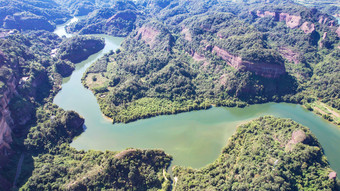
x=148, y=34
x=223, y=79
x=324, y=20
x=292, y=21
x=263, y=69
x=6, y=122
x=187, y=35
x=198, y=57
x=290, y=55
x=332, y=175
x=308, y=27
x=156, y=35
x=125, y=153
x=298, y=136
x=338, y=31
x=232, y=60
x=27, y=21
x=324, y=35
x=268, y=13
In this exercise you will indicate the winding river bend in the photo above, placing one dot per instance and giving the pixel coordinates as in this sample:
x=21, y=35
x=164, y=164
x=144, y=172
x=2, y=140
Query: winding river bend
x=194, y=138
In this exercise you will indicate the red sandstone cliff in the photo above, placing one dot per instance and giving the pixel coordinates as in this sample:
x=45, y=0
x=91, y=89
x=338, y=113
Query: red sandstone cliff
x=338, y=31
x=156, y=36
x=148, y=34
x=308, y=27
x=6, y=122
x=266, y=70
x=290, y=55
x=292, y=21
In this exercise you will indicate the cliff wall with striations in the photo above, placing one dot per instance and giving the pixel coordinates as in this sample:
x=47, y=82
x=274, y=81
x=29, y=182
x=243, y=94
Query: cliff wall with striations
x=8, y=90
x=267, y=70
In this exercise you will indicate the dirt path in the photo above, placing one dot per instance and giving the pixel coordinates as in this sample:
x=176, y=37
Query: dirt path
x=21, y=160
x=329, y=110
x=164, y=174
x=319, y=110
x=175, y=180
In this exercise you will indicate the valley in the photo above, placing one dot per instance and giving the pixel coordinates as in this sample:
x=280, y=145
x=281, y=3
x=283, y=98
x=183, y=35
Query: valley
x=169, y=95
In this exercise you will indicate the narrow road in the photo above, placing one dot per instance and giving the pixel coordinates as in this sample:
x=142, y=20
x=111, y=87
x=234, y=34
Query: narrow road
x=18, y=169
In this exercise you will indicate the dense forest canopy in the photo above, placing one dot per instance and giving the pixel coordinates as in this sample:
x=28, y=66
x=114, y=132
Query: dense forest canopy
x=267, y=153
x=193, y=55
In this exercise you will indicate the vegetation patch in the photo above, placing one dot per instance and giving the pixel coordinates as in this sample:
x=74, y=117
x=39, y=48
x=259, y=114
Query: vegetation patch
x=266, y=153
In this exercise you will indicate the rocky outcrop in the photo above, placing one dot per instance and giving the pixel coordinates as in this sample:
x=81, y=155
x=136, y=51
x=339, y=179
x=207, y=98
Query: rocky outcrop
x=232, y=60
x=292, y=21
x=321, y=42
x=156, y=35
x=187, y=34
x=200, y=58
x=332, y=175
x=267, y=13
x=125, y=153
x=290, y=55
x=324, y=20
x=6, y=122
x=27, y=21
x=308, y=27
x=298, y=136
x=197, y=57
x=266, y=70
x=148, y=34
x=338, y=31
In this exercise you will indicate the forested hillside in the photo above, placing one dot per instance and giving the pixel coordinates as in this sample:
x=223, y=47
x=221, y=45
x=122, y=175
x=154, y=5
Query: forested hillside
x=189, y=57
x=79, y=48
x=32, y=66
x=267, y=153
x=177, y=56
x=32, y=15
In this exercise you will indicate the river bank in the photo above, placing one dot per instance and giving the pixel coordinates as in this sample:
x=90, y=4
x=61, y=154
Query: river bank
x=185, y=136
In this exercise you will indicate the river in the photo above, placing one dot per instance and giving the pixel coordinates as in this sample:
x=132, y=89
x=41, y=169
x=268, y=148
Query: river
x=194, y=138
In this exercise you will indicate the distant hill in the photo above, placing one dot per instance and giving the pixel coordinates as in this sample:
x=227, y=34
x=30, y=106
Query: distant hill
x=32, y=14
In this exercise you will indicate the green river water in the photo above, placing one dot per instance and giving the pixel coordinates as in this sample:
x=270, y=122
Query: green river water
x=194, y=138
